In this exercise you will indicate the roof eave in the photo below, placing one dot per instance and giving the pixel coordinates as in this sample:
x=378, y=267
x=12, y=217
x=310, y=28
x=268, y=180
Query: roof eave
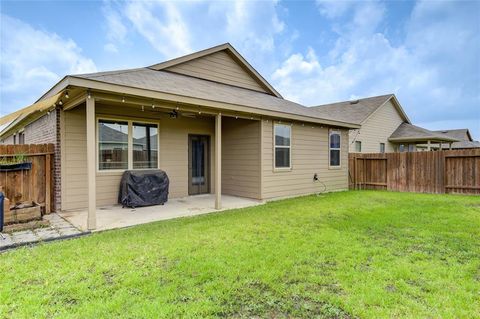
x=123, y=89
x=421, y=139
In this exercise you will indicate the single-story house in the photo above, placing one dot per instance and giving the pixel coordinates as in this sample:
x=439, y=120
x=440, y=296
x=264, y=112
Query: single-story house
x=384, y=126
x=208, y=119
x=463, y=135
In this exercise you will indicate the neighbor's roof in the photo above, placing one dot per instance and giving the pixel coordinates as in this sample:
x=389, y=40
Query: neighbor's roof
x=458, y=134
x=465, y=144
x=357, y=111
x=411, y=133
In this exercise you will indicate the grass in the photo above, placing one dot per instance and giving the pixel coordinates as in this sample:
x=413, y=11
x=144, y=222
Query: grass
x=343, y=255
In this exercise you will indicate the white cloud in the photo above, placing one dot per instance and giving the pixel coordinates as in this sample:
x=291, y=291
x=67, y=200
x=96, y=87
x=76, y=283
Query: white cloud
x=433, y=69
x=332, y=8
x=165, y=30
x=32, y=61
x=177, y=28
x=116, y=30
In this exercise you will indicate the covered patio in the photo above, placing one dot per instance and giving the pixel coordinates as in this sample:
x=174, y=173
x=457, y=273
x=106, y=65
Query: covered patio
x=112, y=217
x=408, y=137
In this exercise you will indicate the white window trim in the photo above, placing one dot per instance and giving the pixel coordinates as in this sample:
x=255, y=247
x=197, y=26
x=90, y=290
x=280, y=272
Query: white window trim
x=280, y=169
x=130, y=122
x=330, y=133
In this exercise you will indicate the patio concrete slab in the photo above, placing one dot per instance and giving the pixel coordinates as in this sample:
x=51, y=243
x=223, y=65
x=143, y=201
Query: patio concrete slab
x=59, y=229
x=112, y=217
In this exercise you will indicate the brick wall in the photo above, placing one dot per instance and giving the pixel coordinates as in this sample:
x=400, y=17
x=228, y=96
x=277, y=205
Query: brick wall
x=47, y=130
x=42, y=130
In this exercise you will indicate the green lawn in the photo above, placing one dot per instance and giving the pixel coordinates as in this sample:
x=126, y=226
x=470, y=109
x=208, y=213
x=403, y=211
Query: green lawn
x=342, y=255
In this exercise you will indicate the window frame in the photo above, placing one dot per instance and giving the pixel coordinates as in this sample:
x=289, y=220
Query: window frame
x=382, y=151
x=356, y=143
x=275, y=168
x=156, y=124
x=130, y=122
x=330, y=133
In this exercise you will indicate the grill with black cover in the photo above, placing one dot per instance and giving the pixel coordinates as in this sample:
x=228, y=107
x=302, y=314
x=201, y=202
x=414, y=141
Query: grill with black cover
x=143, y=188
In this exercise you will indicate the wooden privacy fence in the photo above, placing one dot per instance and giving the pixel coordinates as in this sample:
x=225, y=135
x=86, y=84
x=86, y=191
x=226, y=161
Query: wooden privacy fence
x=34, y=184
x=423, y=172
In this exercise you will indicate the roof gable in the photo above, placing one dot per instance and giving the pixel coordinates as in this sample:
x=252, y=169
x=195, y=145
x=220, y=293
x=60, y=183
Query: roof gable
x=397, y=106
x=358, y=111
x=222, y=64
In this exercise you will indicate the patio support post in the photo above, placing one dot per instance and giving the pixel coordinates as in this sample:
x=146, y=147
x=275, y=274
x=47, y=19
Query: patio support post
x=450, y=146
x=429, y=148
x=218, y=161
x=92, y=205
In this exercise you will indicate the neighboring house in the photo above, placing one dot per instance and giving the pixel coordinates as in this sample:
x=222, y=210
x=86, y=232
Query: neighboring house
x=208, y=119
x=463, y=135
x=384, y=125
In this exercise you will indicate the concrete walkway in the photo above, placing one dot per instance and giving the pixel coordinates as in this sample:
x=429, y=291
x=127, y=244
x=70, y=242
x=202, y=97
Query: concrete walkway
x=112, y=217
x=59, y=228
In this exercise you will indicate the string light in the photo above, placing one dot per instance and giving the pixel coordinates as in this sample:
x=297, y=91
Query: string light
x=123, y=99
x=89, y=95
x=66, y=95
x=60, y=103
x=143, y=108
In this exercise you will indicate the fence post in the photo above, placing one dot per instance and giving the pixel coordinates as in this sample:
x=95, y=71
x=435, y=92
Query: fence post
x=48, y=183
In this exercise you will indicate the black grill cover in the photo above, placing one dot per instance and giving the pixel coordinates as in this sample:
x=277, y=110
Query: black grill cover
x=143, y=188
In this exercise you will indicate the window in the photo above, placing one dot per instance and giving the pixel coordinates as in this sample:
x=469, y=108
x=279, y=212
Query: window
x=358, y=146
x=145, y=145
x=411, y=147
x=382, y=147
x=112, y=145
x=21, y=138
x=282, y=140
x=334, y=152
x=401, y=148
x=127, y=145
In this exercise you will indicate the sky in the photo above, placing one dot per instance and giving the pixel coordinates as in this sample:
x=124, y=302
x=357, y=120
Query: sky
x=312, y=52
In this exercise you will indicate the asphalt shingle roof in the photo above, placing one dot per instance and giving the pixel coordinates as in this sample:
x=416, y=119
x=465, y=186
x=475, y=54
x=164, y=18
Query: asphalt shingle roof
x=168, y=82
x=406, y=131
x=352, y=111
